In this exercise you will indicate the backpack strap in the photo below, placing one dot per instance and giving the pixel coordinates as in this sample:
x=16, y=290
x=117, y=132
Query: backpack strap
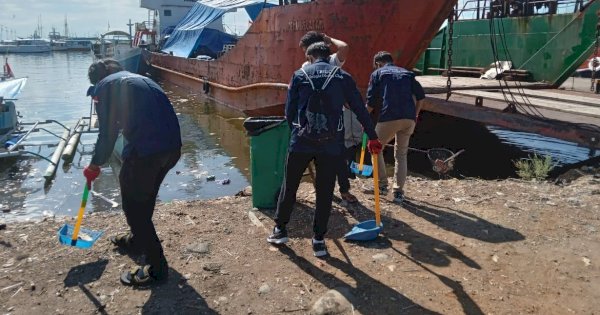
x=330, y=77
x=312, y=85
x=327, y=80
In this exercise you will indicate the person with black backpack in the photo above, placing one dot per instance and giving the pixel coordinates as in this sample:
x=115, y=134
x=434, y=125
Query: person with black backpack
x=316, y=96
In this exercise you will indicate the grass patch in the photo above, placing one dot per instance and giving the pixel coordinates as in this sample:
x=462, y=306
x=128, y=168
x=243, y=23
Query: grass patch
x=535, y=167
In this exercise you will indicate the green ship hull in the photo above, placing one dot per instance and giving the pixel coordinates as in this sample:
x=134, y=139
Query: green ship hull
x=547, y=48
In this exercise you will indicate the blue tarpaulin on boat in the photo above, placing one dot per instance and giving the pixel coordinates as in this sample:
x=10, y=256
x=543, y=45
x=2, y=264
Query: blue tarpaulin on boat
x=200, y=31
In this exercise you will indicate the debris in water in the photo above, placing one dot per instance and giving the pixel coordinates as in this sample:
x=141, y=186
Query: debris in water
x=210, y=178
x=226, y=181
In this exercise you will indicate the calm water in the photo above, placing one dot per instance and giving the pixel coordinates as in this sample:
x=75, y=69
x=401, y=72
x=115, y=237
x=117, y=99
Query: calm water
x=213, y=144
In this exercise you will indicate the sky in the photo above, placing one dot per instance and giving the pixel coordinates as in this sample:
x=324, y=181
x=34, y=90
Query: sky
x=84, y=17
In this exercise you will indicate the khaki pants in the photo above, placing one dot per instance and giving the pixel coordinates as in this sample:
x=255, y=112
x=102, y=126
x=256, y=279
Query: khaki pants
x=401, y=129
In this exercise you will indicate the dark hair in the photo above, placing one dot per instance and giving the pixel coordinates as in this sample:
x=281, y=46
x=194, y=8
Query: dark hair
x=311, y=38
x=102, y=68
x=383, y=57
x=318, y=50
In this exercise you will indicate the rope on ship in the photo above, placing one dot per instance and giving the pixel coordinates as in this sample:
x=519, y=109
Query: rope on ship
x=527, y=108
x=269, y=85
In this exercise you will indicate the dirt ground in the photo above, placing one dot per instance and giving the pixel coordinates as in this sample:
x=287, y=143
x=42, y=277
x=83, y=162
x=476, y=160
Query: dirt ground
x=468, y=246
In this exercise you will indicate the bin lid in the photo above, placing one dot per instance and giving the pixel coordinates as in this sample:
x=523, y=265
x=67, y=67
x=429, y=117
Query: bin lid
x=257, y=125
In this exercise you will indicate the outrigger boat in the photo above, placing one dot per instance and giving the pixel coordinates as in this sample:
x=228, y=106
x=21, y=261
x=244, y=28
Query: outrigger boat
x=15, y=135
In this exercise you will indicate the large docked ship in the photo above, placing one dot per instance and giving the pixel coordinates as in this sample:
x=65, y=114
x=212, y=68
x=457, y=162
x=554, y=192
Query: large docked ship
x=251, y=73
x=542, y=40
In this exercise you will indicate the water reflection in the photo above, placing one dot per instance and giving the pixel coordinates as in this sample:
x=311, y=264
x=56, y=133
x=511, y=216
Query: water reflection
x=214, y=143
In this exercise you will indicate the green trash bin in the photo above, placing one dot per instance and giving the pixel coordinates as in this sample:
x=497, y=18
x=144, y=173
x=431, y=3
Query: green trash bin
x=269, y=140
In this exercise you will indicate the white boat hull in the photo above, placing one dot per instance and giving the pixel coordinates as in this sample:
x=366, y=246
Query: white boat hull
x=24, y=49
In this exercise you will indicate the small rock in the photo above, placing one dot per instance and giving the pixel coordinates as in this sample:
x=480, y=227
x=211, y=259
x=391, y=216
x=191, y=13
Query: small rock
x=199, y=248
x=586, y=261
x=381, y=256
x=177, y=172
x=574, y=201
x=264, y=289
x=391, y=267
x=187, y=276
x=336, y=301
x=225, y=181
x=210, y=178
x=212, y=266
x=495, y=258
x=2, y=226
x=222, y=299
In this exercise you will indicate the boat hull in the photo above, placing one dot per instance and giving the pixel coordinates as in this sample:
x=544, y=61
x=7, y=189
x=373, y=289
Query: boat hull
x=253, y=76
x=24, y=49
x=130, y=59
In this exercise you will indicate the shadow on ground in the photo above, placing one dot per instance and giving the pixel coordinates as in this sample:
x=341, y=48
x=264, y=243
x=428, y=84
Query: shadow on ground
x=463, y=223
x=370, y=296
x=175, y=296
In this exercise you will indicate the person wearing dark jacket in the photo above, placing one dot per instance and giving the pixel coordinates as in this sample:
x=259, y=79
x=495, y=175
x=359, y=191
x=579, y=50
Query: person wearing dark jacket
x=337, y=88
x=397, y=96
x=138, y=107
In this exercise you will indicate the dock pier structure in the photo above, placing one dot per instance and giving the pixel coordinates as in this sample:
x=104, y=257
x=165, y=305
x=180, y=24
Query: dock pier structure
x=521, y=106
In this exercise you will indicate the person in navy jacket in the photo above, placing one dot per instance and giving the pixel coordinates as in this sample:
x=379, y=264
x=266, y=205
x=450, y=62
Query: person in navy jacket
x=327, y=155
x=139, y=108
x=397, y=96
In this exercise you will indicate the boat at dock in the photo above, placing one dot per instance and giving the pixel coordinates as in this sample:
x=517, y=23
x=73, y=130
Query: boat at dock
x=119, y=46
x=125, y=48
x=25, y=46
x=79, y=43
x=251, y=73
x=537, y=41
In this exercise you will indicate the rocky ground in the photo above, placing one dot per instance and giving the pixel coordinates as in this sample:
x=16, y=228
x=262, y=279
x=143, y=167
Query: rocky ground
x=468, y=246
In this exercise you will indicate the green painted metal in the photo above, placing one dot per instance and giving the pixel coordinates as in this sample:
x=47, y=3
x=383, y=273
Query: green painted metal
x=550, y=47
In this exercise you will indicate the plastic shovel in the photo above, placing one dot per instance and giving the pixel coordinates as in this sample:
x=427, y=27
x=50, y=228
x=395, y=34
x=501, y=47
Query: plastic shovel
x=362, y=169
x=75, y=235
x=368, y=230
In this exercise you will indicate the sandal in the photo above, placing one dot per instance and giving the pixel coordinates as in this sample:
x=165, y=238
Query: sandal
x=139, y=276
x=348, y=197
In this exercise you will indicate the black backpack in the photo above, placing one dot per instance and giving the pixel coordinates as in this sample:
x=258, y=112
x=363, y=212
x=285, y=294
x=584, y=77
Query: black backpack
x=321, y=120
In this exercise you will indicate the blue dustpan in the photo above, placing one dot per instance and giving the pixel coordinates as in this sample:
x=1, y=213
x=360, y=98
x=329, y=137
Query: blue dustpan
x=368, y=230
x=85, y=239
x=364, y=231
x=367, y=170
x=75, y=235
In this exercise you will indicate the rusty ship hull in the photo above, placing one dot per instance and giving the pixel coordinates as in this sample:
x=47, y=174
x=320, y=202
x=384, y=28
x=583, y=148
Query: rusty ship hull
x=253, y=76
